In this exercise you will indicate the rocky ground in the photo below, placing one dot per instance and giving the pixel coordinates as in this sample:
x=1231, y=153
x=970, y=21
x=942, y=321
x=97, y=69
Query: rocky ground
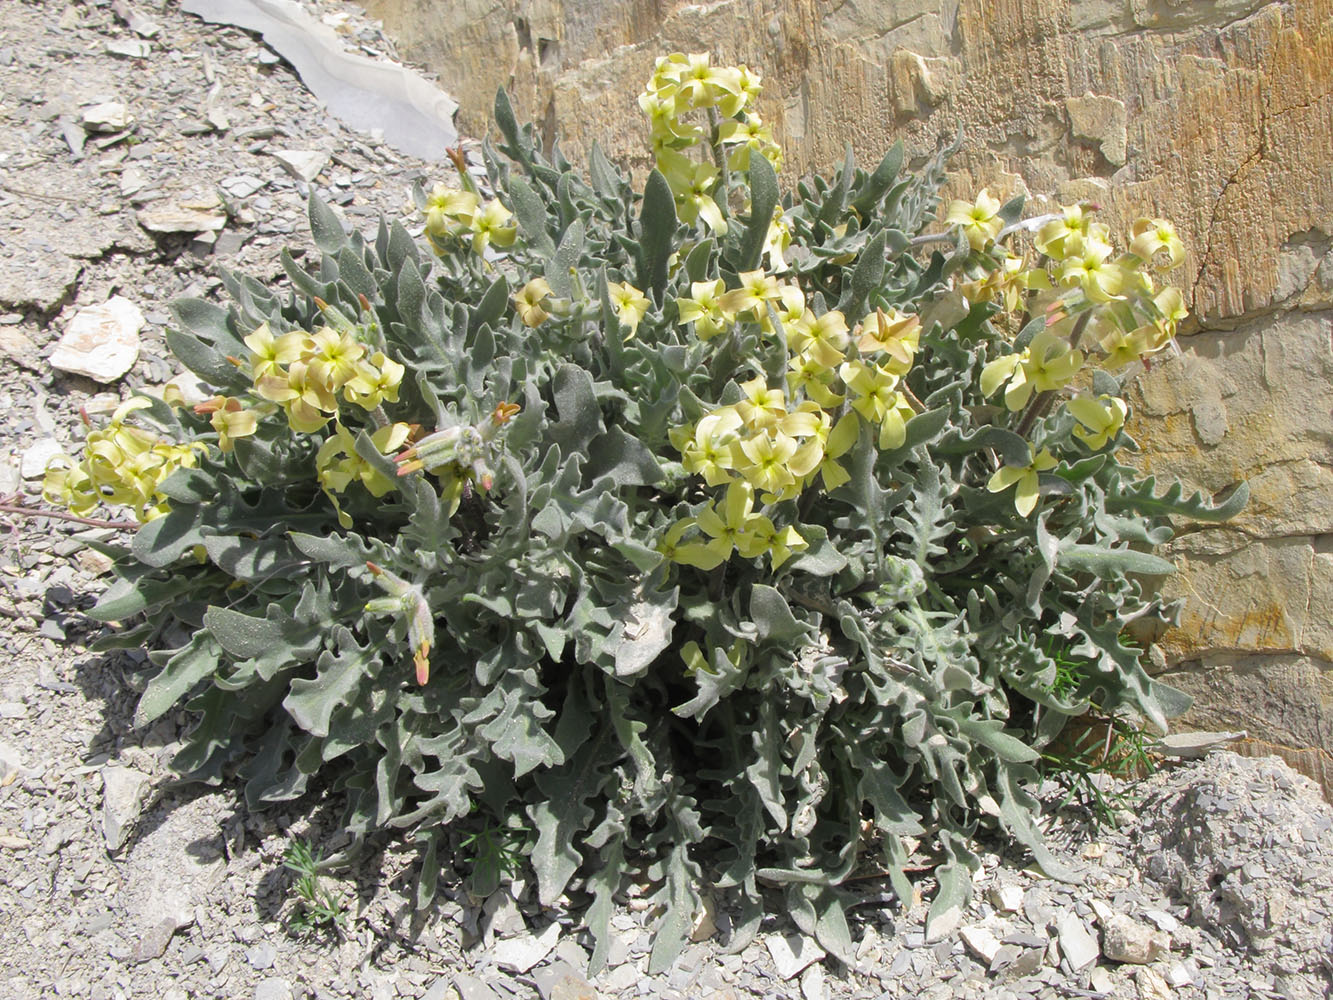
x=144, y=150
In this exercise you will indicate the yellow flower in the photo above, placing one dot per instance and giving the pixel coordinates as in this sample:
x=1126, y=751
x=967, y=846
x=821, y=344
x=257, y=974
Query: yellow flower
x=761, y=406
x=1090, y=268
x=1062, y=236
x=338, y=465
x=780, y=543
x=669, y=546
x=756, y=290
x=825, y=339
x=980, y=219
x=701, y=307
x=629, y=303
x=895, y=334
x=528, y=301
x=1123, y=348
x=268, y=354
x=331, y=357
x=1100, y=419
x=710, y=450
x=841, y=439
x=375, y=381
x=691, y=182
x=806, y=373
x=1154, y=237
x=492, y=225
x=230, y=419
x=747, y=136
x=724, y=530
x=1044, y=365
x=1026, y=478
x=768, y=454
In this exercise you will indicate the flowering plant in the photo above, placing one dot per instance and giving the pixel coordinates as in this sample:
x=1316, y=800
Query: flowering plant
x=712, y=534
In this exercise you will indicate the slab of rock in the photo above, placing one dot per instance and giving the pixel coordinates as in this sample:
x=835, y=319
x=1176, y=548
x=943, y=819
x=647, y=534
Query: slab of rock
x=519, y=954
x=124, y=792
x=980, y=942
x=111, y=116
x=36, y=456
x=129, y=48
x=303, y=164
x=1150, y=985
x=101, y=342
x=40, y=278
x=812, y=983
x=1077, y=946
x=189, y=215
x=11, y=763
x=153, y=942
x=132, y=180
x=792, y=953
x=940, y=927
x=473, y=989
x=1127, y=940
x=274, y=988
x=18, y=347
x=1006, y=898
x=558, y=981
x=242, y=185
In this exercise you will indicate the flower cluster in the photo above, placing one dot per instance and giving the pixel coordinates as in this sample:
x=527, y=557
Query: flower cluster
x=682, y=86
x=304, y=372
x=122, y=464
x=778, y=441
x=1111, y=309
x=459, y=215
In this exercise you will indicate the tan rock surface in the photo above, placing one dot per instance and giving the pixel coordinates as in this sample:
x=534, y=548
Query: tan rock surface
x=1218, y=115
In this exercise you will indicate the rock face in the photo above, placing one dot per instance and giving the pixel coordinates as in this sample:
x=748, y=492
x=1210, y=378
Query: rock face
x=1212, y=114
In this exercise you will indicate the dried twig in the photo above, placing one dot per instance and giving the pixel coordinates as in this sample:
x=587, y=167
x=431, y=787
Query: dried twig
x=13, y=504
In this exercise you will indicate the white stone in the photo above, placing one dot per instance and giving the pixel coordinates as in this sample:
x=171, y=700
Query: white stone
x=273, y=988
x=940, y=927
x=129, y=48
x=124, y=792
x=1179, y=974
x=93, y=562
x=188, y=215
x=109, y=117
x=1151, y=986
x=1077, y=946
x=36, y=457
x=980, y=942
x=704, y=925
x=101, y=342
x=242, y=185
x=519, y=954
x=132, y=180
x=1127, y=940
x=792, y=953
x=1163, y=920
x=812, y=983
x=620, y=979
x=11, y=763
x=303, y=164
x=192, y=390
x=1100, y=980
x=1006, y=898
